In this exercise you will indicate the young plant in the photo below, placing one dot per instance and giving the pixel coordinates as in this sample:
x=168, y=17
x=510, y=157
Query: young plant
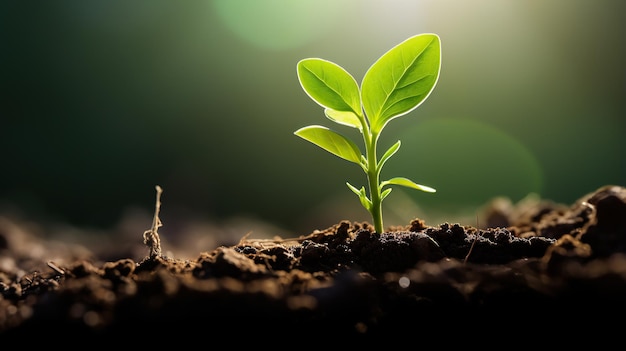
x=393, y=86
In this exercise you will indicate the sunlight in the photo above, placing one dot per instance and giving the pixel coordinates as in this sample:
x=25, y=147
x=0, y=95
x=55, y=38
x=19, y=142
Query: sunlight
x=279, y=24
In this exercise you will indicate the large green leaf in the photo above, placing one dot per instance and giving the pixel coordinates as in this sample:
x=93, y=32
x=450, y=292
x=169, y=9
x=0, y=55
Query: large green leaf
x=329, y=85
x=401, y=79
x=331, y=141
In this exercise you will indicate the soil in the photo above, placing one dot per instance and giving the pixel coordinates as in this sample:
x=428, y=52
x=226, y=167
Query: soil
x=532, y=267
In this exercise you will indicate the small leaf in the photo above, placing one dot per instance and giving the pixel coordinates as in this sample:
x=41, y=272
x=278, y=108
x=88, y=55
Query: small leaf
x=329, y=85
x=347, y=118
x=392, y=150
x=331, y=141
x=401, y=79
x=384, y=194
x=407, y=183
x=365, y=202
x=354, y=189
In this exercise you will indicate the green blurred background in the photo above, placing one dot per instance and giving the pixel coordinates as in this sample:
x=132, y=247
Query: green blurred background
x=103, y=100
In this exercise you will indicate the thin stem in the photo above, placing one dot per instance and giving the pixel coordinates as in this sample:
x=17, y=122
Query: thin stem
x=373, y=173
x=373, y=177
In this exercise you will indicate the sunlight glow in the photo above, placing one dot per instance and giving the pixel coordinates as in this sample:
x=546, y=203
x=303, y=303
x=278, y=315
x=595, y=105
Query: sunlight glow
x=279, y=24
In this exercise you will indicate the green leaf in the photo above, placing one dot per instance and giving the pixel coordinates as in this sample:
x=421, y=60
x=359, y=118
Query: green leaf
x=365, y=202
x=347, y=118
x=401, y=79
x=384, y=194
x=331, y=141
x=392, y=150
x=329, y=85
x=354, y=189
x=407, y=183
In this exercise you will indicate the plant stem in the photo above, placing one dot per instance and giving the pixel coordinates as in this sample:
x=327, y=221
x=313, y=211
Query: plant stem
x=373, y=175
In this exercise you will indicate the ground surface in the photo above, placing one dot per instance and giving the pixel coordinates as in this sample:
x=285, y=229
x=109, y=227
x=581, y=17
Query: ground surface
x=534, y=265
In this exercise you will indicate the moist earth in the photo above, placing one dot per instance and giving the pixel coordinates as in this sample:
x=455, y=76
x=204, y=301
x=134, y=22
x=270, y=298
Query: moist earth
x=534, y=263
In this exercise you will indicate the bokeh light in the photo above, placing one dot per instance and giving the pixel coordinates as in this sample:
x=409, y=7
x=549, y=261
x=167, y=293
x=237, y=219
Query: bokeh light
x=280, y=24
x=467, y=161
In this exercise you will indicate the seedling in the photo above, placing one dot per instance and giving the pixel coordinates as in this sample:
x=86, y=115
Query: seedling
x=398, y=82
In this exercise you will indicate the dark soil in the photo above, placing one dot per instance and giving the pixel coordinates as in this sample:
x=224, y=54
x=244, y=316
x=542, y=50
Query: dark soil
x=532, y=267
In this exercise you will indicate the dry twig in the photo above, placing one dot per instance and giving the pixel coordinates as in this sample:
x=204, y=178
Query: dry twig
x=151, y=236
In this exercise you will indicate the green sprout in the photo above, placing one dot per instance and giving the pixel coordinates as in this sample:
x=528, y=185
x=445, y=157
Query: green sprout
x=393, y=86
